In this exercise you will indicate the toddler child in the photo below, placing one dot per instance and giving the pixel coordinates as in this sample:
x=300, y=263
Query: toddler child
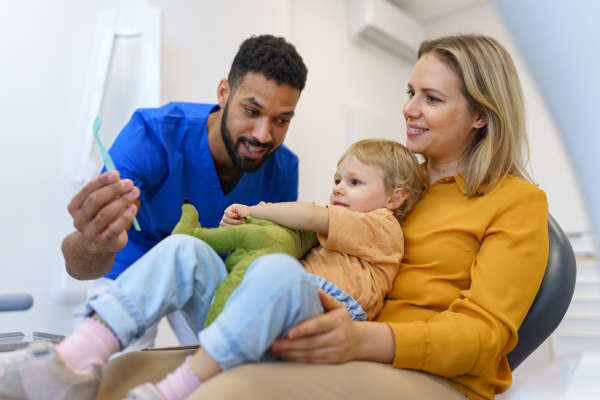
x=377, y=184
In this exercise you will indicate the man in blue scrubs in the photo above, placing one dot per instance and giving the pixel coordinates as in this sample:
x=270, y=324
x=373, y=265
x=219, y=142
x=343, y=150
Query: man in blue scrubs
x=213, y=155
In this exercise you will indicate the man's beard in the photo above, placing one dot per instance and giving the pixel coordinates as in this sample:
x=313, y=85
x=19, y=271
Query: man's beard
x=240, y=161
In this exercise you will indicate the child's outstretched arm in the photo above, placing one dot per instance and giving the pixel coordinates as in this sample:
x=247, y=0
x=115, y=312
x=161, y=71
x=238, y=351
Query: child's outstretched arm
x=296, y=215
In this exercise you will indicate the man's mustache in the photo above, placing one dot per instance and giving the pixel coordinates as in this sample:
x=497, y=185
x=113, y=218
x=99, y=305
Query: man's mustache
x=255, y=143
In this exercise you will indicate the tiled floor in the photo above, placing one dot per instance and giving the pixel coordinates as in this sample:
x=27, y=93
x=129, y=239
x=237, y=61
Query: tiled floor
x=573, y=377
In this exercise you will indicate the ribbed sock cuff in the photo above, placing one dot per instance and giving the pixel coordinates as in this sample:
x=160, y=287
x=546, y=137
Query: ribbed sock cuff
x=181, y=383
x=91, y=344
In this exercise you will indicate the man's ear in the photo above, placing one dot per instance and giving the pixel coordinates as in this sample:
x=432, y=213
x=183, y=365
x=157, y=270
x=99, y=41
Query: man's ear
x=396, y=199
x=223, y=92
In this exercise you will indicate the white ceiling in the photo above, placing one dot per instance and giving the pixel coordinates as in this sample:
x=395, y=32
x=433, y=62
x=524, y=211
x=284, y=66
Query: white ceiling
x=428, y=10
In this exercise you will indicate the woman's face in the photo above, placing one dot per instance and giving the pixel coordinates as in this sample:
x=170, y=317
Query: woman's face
x=440, y=124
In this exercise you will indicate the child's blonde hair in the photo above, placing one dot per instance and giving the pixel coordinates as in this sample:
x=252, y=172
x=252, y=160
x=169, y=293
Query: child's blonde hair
x=400, y=167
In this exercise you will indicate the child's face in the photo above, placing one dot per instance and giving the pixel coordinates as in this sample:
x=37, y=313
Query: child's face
x=360, y=187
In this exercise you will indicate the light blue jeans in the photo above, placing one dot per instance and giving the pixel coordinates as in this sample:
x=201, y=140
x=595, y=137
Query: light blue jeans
x=183, y=273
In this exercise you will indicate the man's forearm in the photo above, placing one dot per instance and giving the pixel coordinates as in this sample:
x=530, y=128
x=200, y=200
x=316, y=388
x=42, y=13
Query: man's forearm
x=305, y=216
x=84, y=259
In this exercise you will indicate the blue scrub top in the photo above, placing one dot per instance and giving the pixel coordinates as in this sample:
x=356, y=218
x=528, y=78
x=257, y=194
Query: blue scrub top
x=165, y=152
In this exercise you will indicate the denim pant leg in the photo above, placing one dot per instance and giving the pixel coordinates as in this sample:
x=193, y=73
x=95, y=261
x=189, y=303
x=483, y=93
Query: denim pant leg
x=275, y=295
x=179, y=273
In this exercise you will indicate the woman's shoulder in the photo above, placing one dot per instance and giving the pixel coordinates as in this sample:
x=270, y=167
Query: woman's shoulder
x=516, y=185
x=513, y=188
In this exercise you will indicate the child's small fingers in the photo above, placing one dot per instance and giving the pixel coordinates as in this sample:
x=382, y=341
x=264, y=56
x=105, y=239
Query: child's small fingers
x=226, y=220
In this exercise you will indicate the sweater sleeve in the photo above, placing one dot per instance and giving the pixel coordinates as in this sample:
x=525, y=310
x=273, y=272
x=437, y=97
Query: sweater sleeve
x=482, y=323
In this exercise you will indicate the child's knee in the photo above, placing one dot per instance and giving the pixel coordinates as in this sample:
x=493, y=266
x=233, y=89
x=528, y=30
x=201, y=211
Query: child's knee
x=182, y=242
x=187, y=248
x=277, y=268
x=179, y=240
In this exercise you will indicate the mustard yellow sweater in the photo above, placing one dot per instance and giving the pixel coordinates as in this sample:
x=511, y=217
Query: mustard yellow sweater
x=470, y=272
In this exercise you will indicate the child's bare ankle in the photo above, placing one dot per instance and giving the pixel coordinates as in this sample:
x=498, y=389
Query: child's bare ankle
x=204, y=366
x=99, y=319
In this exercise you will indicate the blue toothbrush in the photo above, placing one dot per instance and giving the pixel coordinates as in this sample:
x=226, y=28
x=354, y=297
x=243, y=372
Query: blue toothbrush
x=108, y=162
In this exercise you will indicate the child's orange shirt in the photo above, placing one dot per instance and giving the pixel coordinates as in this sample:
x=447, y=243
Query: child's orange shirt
x=361, y=255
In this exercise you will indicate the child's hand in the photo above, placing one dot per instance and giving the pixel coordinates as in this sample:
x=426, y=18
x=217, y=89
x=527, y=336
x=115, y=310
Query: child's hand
x=234, y=215
x=262, y=203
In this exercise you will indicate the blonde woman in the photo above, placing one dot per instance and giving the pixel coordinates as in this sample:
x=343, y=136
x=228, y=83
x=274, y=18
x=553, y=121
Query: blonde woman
x=476, y=248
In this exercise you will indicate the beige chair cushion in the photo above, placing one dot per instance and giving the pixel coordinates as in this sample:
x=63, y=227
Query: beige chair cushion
x=131, y=369
x=357, y=380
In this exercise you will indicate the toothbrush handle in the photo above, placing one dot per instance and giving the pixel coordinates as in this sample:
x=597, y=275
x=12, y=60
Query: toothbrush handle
x=110, y=166
x=136, y=225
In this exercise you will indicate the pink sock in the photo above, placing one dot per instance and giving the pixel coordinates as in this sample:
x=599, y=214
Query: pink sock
x=179, y=384
x=91, y=344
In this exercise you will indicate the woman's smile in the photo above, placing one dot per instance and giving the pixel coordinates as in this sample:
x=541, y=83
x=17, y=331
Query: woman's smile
x=415, y=130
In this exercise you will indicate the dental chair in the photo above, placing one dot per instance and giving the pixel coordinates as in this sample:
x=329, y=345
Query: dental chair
x=15, y=302
x=553, y=297
x=546, y=312
x=10, y=341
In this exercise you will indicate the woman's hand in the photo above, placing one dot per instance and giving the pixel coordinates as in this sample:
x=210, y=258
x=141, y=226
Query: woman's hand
x=331, y=338
x=234, y=215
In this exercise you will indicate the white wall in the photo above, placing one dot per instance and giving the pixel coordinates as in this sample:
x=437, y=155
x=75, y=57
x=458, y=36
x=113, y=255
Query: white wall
x=202, y=37
x=43, y=47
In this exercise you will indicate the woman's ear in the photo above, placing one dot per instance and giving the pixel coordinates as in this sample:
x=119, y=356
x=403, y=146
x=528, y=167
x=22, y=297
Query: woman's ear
x=481, y=120
x=396, y=199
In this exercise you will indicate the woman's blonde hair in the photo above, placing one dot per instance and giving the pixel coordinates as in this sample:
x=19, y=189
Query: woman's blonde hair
x=400, y=168
x=491, y=85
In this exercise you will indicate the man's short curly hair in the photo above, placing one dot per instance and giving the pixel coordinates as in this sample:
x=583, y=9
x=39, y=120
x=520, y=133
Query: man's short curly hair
x=273, y=57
